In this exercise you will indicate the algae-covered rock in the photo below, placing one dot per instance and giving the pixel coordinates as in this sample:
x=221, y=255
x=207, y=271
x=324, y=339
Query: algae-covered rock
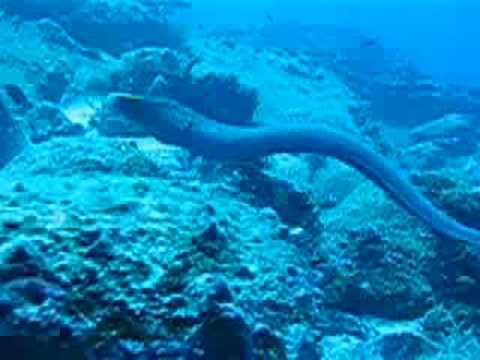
x=378, y=281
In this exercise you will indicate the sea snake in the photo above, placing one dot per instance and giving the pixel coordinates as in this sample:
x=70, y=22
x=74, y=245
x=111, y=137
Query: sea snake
x=172, y=123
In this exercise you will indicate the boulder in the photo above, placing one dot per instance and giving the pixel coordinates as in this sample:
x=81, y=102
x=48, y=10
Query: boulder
x=225, y=334
x=12, y=138
x=114, y=27
x=46, y=121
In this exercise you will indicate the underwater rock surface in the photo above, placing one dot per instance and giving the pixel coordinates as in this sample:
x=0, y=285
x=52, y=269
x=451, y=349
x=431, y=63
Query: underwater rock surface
x=112, y=26
x=123, y=248
x=12, y=138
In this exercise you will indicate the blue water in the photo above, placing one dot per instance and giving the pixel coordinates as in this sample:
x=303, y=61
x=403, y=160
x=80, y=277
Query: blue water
x=439, y=36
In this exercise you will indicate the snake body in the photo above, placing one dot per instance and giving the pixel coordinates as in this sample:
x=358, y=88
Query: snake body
x=172, y=123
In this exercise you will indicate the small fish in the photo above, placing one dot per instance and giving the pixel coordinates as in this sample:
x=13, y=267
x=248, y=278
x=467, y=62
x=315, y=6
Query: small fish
x=270, y=18
x=369, y=43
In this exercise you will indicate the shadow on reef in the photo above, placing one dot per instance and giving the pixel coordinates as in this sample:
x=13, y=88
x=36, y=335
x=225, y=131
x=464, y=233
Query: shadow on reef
x=33, y=348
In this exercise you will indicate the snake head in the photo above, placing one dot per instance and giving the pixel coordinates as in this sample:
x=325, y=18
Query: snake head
x=165, y=119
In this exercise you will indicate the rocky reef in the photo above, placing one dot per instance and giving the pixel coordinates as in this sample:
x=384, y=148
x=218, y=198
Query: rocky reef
x=108, y=25
x=12, y=139
x=114, y=246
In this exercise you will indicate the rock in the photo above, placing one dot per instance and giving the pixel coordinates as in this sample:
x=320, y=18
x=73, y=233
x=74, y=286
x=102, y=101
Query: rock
x=425, y=156
x=219, y=97
x=223, y=335
x=21, y=260
x=448, y=126
x=20, y=346
x=164, y=72
x=117, y=27
x=8, y=302
x=220, y=292
x=211, y=240
x=294, y=207
x=100, y=250
x=302, y=238
x=32, y=303
x=335, y=323
x=396, y=92
x=35, y=290
x=88, y=236
x=12, y=223
x=303, y=342
x=146, y=69
x=402, y=346
x=81, y=155
x=378, y=282
x=17, y=95
x=208, y=292
x=307, y=350
x=46, y=121
x=126, y=349
x=12, y=137
x=32, y=9
x=55, y=82
x=458, y=262
x=267, y=345
x=175, y=301
x=451, y=192
x=110, y=26
x=246, y=272
x=342, y=347
x=293, y=271
x=453, y=135
x=54, y=33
